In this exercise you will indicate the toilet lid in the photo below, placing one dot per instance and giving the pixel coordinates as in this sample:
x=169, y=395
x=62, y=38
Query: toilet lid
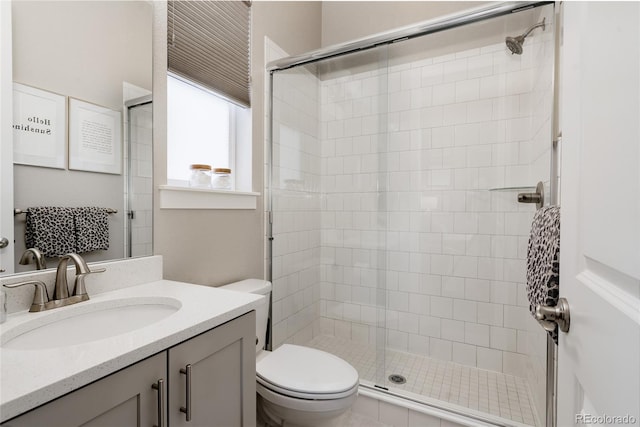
x=306, y=370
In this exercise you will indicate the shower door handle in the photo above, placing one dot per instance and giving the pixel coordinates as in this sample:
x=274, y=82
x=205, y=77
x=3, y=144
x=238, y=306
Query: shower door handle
x=557, y=315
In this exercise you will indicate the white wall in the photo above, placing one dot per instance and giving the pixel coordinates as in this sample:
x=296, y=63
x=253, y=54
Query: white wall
x=82, y=49
x=216, y=247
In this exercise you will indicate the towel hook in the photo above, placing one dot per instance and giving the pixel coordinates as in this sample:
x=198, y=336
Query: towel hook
x=537, y=197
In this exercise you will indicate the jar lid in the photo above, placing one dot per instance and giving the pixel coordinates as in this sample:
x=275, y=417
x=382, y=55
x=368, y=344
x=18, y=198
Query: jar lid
x=200, y=167
x=222, y=170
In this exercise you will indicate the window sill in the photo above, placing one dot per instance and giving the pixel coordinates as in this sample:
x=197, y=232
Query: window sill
x=173, y=197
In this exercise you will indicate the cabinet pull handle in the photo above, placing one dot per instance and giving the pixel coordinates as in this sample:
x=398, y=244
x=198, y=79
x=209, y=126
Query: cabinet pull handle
x=160, y=387
x=187, y=410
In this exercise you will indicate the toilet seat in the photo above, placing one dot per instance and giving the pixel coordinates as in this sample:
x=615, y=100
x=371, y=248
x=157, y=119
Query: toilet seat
x=307, y=396
x=306, y=373
x=307, y=405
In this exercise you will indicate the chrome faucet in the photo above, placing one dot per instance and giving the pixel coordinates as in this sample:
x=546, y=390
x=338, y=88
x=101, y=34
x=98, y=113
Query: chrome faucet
x=40, y=297
x=34, y=255
x=61, y=291
x=61, y=296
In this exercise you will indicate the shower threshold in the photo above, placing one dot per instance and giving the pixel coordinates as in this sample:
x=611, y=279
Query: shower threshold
x=461, y=388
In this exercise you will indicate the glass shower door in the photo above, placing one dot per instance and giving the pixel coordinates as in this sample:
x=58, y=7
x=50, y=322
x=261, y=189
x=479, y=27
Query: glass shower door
x=139, y=191
x=469, y=127
x=328, y=201
x=398, y=243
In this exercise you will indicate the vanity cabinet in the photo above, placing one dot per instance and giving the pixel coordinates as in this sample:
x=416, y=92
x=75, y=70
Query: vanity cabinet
x=221, y=367
x=121, y=399
x=212, y=377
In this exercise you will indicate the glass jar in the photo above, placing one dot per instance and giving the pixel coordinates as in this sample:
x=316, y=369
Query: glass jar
x=222, y=179
x=200, y=176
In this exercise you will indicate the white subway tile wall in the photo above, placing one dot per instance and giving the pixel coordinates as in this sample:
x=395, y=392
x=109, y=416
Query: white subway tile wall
x=389, y=192
x=296, y=206
x=458, y=126
x=141, y=191
x=531, y=342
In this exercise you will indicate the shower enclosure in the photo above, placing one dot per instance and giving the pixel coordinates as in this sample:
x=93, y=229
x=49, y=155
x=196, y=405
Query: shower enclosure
x=396, y=238
x=139, y=177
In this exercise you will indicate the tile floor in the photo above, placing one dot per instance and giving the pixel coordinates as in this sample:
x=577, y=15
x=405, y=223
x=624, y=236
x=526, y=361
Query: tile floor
x=348, y=419
x=351, y=419
x=495, y=393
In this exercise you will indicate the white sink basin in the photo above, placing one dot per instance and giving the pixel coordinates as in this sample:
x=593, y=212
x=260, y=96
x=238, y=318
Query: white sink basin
x=88, y=321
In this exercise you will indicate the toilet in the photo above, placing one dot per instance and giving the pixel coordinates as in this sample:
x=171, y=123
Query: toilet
x=297, y=385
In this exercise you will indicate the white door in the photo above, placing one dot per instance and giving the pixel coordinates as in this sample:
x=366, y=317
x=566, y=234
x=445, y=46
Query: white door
x=599, y=359
x=6, y=142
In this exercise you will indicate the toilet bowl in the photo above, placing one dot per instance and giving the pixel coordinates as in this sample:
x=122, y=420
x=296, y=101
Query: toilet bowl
x=297, y=385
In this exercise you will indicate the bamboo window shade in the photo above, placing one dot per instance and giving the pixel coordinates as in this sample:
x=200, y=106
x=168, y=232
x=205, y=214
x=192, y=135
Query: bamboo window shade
x=208, y=43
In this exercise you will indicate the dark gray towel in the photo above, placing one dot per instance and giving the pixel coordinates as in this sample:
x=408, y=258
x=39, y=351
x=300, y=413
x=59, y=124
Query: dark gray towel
x=543, y=260
x=51, y=230
x=91, y=229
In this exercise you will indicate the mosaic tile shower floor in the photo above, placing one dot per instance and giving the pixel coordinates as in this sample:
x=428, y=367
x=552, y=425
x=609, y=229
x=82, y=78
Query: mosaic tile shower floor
x=495, y=393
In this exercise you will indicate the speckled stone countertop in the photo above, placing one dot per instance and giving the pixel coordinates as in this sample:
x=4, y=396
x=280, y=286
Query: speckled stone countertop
x=29, y=378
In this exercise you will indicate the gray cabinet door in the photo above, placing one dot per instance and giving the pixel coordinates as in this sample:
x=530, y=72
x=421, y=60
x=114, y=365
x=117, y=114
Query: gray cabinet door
x=223, y=376
x=124, y=399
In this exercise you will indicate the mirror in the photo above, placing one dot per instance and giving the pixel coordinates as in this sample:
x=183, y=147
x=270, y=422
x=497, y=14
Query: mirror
x=100, y=53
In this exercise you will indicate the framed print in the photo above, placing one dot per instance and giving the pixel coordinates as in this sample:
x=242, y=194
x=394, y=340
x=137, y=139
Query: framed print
x=95, y=138
x=39, y=127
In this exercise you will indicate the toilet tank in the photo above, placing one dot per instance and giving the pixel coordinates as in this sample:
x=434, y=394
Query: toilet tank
x=259, y=287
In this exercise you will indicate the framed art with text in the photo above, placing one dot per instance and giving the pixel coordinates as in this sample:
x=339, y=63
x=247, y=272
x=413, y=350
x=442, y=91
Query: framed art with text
x=39, y=127
x=95, y=138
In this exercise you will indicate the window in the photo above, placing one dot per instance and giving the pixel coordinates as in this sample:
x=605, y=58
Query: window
x=208, y=105
x=201, y=128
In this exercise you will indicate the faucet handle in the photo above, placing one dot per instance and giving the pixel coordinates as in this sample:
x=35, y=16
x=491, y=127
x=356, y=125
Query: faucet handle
x=79, y=289
x=40, y=297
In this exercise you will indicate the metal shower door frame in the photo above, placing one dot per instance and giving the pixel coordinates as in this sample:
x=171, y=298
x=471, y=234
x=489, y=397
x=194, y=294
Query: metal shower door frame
x=443, y=23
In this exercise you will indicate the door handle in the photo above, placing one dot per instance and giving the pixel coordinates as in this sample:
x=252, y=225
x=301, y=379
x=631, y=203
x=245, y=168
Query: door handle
x=187, y=409
x=4, y=242
x=550, y=316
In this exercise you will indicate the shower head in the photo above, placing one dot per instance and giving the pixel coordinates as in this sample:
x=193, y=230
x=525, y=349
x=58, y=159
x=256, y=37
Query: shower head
x=515, y=43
